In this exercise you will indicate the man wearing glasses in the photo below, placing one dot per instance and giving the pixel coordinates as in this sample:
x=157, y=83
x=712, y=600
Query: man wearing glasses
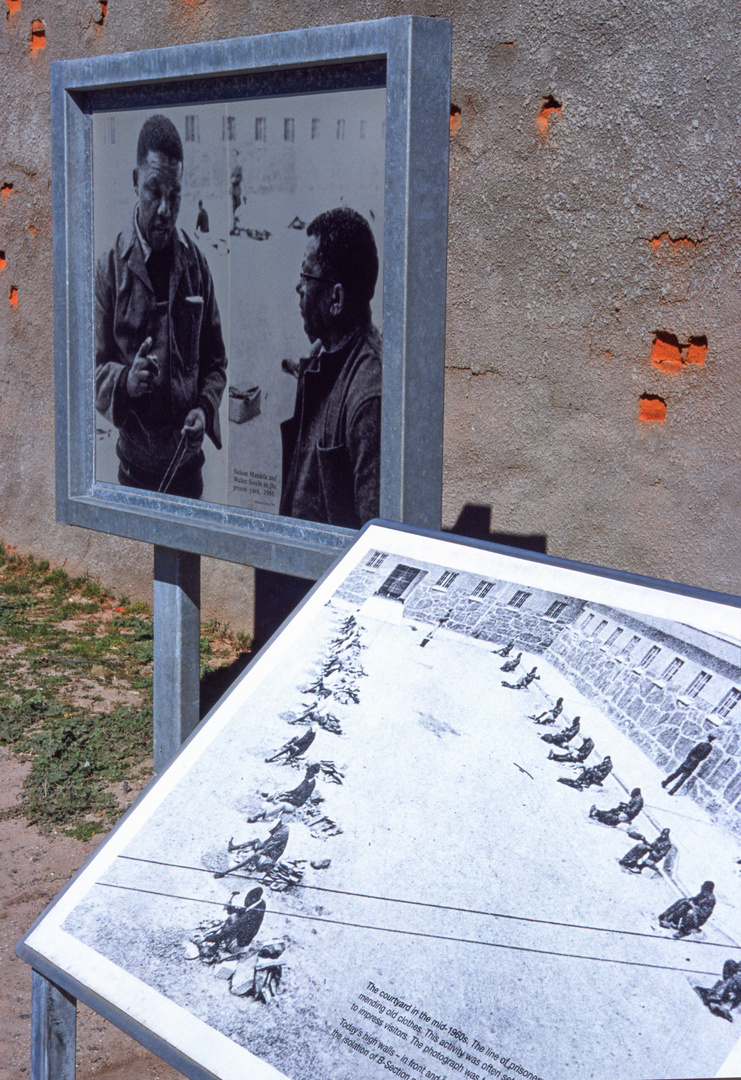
x=332, y=443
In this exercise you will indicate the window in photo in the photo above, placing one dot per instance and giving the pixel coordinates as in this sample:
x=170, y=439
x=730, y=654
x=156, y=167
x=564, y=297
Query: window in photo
x=519, y=598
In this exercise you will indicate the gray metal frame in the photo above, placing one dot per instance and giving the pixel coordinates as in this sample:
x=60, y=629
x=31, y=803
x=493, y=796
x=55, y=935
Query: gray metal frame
x=416, y=52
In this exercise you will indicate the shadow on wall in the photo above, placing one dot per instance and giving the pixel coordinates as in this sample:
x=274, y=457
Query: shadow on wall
x=474, y=521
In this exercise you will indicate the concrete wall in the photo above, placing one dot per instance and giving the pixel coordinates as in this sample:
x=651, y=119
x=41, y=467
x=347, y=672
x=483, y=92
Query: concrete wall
x=593, y=390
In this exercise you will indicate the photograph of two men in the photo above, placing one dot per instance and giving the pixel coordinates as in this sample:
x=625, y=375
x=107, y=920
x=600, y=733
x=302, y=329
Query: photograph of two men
x=238, y=302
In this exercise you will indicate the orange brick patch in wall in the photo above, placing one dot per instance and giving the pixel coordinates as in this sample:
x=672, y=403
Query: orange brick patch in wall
x=13, y=296
x=679, y=242
x=5, y=190
x=3, y=263
x=668, y=353
x=651, y=408
x=455, y=119
x=38, y=35
x=550, y=108
x=697, y=350
x=13, y=5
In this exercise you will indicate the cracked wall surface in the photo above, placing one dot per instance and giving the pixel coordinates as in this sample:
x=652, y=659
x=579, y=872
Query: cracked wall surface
x=593, y=396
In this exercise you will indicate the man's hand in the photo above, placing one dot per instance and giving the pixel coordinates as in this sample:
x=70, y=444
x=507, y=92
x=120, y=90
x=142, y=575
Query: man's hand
x=194, y=427
x=143, y=372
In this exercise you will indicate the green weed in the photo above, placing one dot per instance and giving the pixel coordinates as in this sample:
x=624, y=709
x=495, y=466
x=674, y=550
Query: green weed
x=70, y=657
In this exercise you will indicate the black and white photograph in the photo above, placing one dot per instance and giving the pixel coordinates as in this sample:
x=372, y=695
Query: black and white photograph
x=469, y=815
x=238, y=251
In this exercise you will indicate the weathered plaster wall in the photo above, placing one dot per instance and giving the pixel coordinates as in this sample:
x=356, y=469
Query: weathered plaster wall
x=593, y=395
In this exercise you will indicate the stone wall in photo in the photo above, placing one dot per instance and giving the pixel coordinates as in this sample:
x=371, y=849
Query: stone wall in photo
x=466, y=604
x=654, y=719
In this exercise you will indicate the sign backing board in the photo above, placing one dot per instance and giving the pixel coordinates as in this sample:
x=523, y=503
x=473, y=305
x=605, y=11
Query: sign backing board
x=274, y=130
x=366, y=861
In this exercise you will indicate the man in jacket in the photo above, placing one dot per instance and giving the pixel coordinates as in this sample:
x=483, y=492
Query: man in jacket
x=597, y=774
x=691, y=912
x=332, y=443
x=563, y=738
x=695, y=757
x=645, y=854
x=574, y=757
x=160, y=362
x=623, y=813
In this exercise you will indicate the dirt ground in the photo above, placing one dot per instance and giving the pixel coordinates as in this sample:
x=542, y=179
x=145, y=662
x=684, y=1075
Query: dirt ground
x=33, y=868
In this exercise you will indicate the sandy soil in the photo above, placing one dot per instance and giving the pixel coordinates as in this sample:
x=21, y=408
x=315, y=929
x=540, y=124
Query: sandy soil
x=33, y=868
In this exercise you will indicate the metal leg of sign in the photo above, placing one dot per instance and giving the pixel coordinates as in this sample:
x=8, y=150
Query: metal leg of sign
x=177, y=604
x=53, y=1031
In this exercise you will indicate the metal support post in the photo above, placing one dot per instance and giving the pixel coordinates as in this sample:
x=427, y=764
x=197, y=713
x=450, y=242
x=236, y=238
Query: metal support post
x=53, y=1031
x=177, y=604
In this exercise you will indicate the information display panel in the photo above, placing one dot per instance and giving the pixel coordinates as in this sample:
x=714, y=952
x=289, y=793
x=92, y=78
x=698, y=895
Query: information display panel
x=249, y=267
x=470, y=814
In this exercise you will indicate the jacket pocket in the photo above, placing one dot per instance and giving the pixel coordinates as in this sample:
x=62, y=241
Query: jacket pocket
x=336, y=478
x=188, y=331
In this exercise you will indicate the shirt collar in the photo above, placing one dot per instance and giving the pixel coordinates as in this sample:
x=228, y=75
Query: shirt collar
x=329, y=357
x=146, y=249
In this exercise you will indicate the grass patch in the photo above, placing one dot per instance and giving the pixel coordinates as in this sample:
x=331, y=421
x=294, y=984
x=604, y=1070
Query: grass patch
x=76, y=699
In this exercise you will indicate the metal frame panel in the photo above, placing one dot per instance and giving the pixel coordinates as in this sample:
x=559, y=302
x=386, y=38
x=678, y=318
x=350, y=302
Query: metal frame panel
x=416, y=52
x=532, y=563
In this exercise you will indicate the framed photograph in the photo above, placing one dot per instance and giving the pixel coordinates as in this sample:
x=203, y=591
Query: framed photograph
x=250, y=289
x=469, y=814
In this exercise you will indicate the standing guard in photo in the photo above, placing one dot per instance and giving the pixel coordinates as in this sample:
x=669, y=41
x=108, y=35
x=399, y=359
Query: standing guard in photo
x=332, y=443
x=441, y=622
x=201, y=219
x=236, y=189
x=695, y=757
x=160, y=362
